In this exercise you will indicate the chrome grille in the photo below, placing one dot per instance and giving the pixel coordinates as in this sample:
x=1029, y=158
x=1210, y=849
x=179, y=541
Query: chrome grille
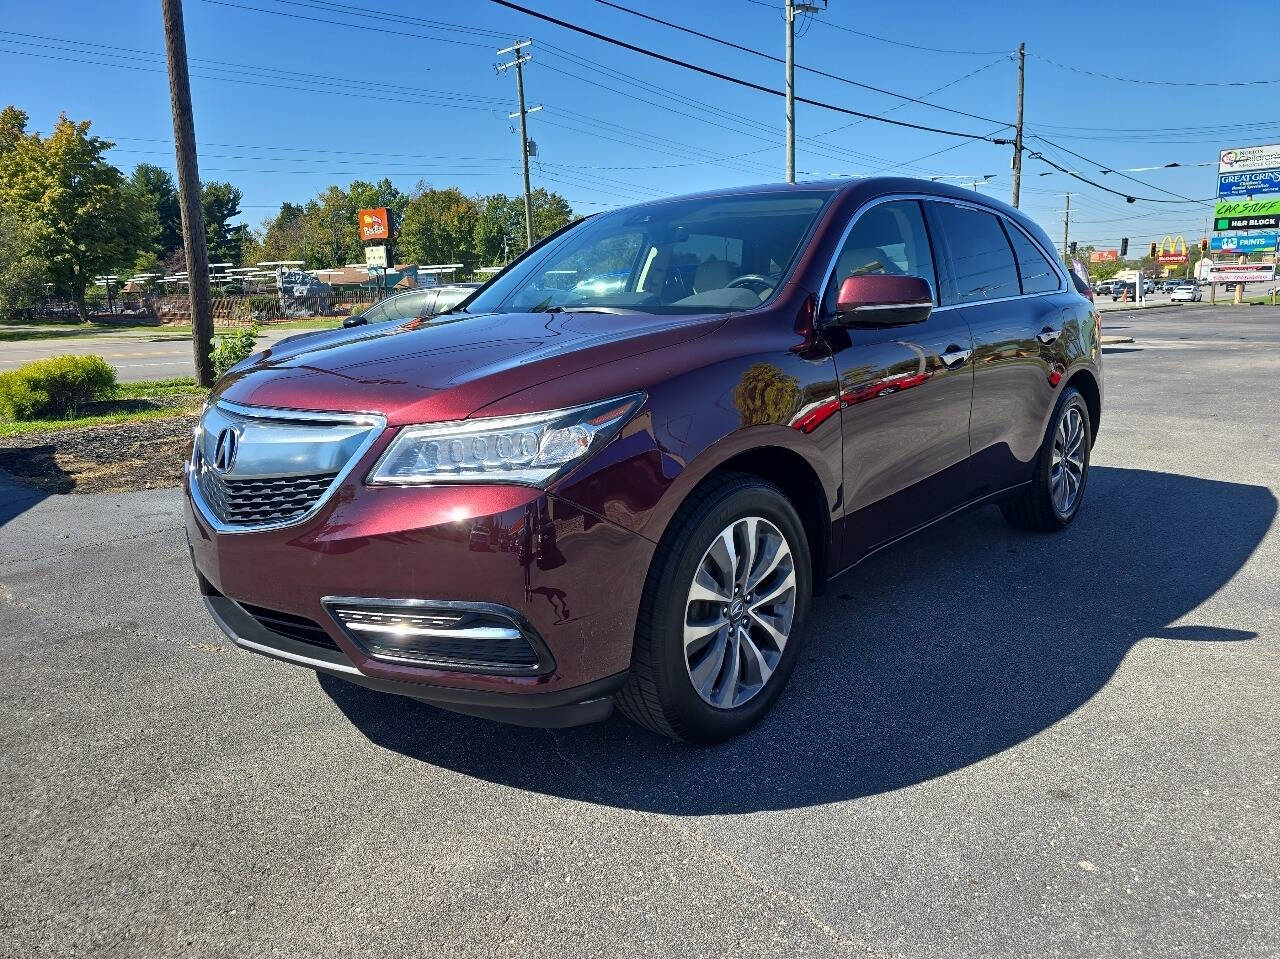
x=255, y=468
x=271, y=500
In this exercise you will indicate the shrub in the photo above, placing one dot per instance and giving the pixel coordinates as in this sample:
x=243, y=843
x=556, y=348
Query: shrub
x=233, y=347
x=58, y=386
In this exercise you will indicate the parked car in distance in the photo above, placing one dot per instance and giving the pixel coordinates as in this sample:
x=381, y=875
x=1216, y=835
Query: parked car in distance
x=1124, y=289
x=411, y=304
x=1186, y=293
x=558, y=498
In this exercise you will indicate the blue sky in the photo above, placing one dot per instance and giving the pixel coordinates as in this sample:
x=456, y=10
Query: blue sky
x=286, y=104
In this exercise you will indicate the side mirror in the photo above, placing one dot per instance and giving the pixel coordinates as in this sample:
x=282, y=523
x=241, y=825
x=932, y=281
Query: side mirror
x=883, y=300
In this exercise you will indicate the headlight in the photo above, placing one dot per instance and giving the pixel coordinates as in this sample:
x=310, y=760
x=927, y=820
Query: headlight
x=528, y=450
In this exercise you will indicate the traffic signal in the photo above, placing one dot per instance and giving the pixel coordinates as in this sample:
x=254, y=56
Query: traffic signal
x=1124, y=247
x=1153, y=249
x=1073, y=247
x=1204, y=244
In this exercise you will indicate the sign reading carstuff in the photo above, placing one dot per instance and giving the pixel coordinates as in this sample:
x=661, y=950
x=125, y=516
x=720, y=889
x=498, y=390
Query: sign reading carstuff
x=1238, y=208
x=1243, y=159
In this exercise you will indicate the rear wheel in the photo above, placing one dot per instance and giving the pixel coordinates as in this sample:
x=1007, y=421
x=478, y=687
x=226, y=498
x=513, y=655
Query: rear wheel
x=1062, y=470
x=720, y=621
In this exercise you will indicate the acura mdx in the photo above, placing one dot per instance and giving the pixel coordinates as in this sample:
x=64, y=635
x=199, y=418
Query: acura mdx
x=617, y=473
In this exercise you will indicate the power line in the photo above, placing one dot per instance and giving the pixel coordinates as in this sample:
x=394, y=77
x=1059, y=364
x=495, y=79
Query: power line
x=1154, y=83
x=706, y=71
x=896, y=43
x=813, y=70
x=1105, y=169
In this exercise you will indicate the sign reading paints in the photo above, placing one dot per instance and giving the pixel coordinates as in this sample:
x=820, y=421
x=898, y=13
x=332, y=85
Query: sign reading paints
x=1256, y=183
x=1248, y=243
x=374, y=224
x=1244, y=159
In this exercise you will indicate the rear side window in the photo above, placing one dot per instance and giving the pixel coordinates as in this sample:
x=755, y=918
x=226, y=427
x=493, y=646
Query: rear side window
x=1036, y=273
x=981, y=260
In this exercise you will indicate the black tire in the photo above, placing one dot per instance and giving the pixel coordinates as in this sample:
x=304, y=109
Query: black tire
x=659, y=693
x=1033, y=508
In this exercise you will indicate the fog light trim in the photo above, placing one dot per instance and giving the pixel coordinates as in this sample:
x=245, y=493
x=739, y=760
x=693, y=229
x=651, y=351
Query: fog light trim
x=442, y=634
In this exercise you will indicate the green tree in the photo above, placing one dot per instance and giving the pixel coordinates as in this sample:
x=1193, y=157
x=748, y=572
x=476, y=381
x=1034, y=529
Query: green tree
x=22, y=271
x=161, y=214
x=439, y=226
x=500, y=235
x=13, y=127
x=84, y=218
x=221, y=204
x=284, y=236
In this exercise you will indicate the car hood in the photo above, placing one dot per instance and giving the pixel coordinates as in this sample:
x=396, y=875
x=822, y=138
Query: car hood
x=447, y=367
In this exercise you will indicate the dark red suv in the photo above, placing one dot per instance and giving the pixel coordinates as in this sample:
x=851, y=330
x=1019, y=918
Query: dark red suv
x=618, y=472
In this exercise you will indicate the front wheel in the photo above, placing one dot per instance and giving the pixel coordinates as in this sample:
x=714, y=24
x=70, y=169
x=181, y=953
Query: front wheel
x=1052, y=500
x=720, y=620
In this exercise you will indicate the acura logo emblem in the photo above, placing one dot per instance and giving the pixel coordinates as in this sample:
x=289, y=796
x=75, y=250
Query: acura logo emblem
x=224, y=451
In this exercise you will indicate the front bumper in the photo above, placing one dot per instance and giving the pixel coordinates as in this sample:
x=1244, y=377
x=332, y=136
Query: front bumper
x=573, y=577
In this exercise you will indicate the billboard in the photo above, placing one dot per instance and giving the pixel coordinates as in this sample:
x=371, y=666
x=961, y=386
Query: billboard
x=1248, y=243
x=1239, y=208
x=1244, y=159
x=1256, y=183
x=1242, y=272
x=376, y=256
x=1247, y=222
x=374, y=224
x=1104, y=256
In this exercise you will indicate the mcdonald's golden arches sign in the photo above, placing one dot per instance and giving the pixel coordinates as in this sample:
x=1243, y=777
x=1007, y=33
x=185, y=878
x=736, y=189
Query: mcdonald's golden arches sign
x=1169, y=248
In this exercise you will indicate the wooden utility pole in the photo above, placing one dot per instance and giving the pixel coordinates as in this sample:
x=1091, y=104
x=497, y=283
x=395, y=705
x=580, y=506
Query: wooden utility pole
x=184, y=142
x=1066, y=231
x=518, y=63
x=790, y=17
x=1017, y=134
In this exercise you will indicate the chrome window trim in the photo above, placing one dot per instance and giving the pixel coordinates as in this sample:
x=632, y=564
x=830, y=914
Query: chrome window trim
x=376, y=422
x=936, y=198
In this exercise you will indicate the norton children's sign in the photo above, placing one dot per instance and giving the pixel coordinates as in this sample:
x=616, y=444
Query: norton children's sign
x=374, y=224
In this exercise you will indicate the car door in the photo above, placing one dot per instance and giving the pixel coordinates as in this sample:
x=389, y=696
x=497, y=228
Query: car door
x=1016, y=303
x=905, y=390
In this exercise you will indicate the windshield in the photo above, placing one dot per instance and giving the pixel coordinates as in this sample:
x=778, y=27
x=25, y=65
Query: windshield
x=708, y=255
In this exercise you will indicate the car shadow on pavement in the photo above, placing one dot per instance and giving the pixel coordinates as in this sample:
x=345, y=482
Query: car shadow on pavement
x=16, y=498
x=943, y=651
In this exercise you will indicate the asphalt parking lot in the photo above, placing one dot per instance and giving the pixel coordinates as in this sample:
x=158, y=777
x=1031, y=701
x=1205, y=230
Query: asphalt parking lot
x=997, y=743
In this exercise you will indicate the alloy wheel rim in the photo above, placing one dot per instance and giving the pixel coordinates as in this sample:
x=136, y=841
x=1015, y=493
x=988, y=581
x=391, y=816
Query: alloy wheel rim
x=739, y=612
x=1068, y=466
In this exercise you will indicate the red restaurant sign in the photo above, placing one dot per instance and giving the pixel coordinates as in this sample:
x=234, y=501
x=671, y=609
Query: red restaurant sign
x=374, y=224
x=1104, y=256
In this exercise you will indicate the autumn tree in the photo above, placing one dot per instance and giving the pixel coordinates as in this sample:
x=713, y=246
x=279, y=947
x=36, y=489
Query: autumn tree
x=84, y=218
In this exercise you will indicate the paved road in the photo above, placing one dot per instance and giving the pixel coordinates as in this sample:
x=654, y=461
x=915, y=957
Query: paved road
x=997, y=744
x=150, y=355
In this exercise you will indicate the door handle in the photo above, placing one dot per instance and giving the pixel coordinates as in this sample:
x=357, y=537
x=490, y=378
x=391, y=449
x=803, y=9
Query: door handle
x=954, y=356
x=1048, y=335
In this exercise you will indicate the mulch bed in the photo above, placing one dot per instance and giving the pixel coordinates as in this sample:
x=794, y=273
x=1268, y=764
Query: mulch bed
x=115, y=458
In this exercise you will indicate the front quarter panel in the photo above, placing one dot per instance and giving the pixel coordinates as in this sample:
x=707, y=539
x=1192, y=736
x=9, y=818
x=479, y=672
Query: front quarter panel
x=753, y=383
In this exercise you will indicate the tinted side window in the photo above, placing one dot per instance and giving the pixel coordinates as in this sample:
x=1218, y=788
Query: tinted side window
x=1037, y=275
x=981, y=259
x=888, y=239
